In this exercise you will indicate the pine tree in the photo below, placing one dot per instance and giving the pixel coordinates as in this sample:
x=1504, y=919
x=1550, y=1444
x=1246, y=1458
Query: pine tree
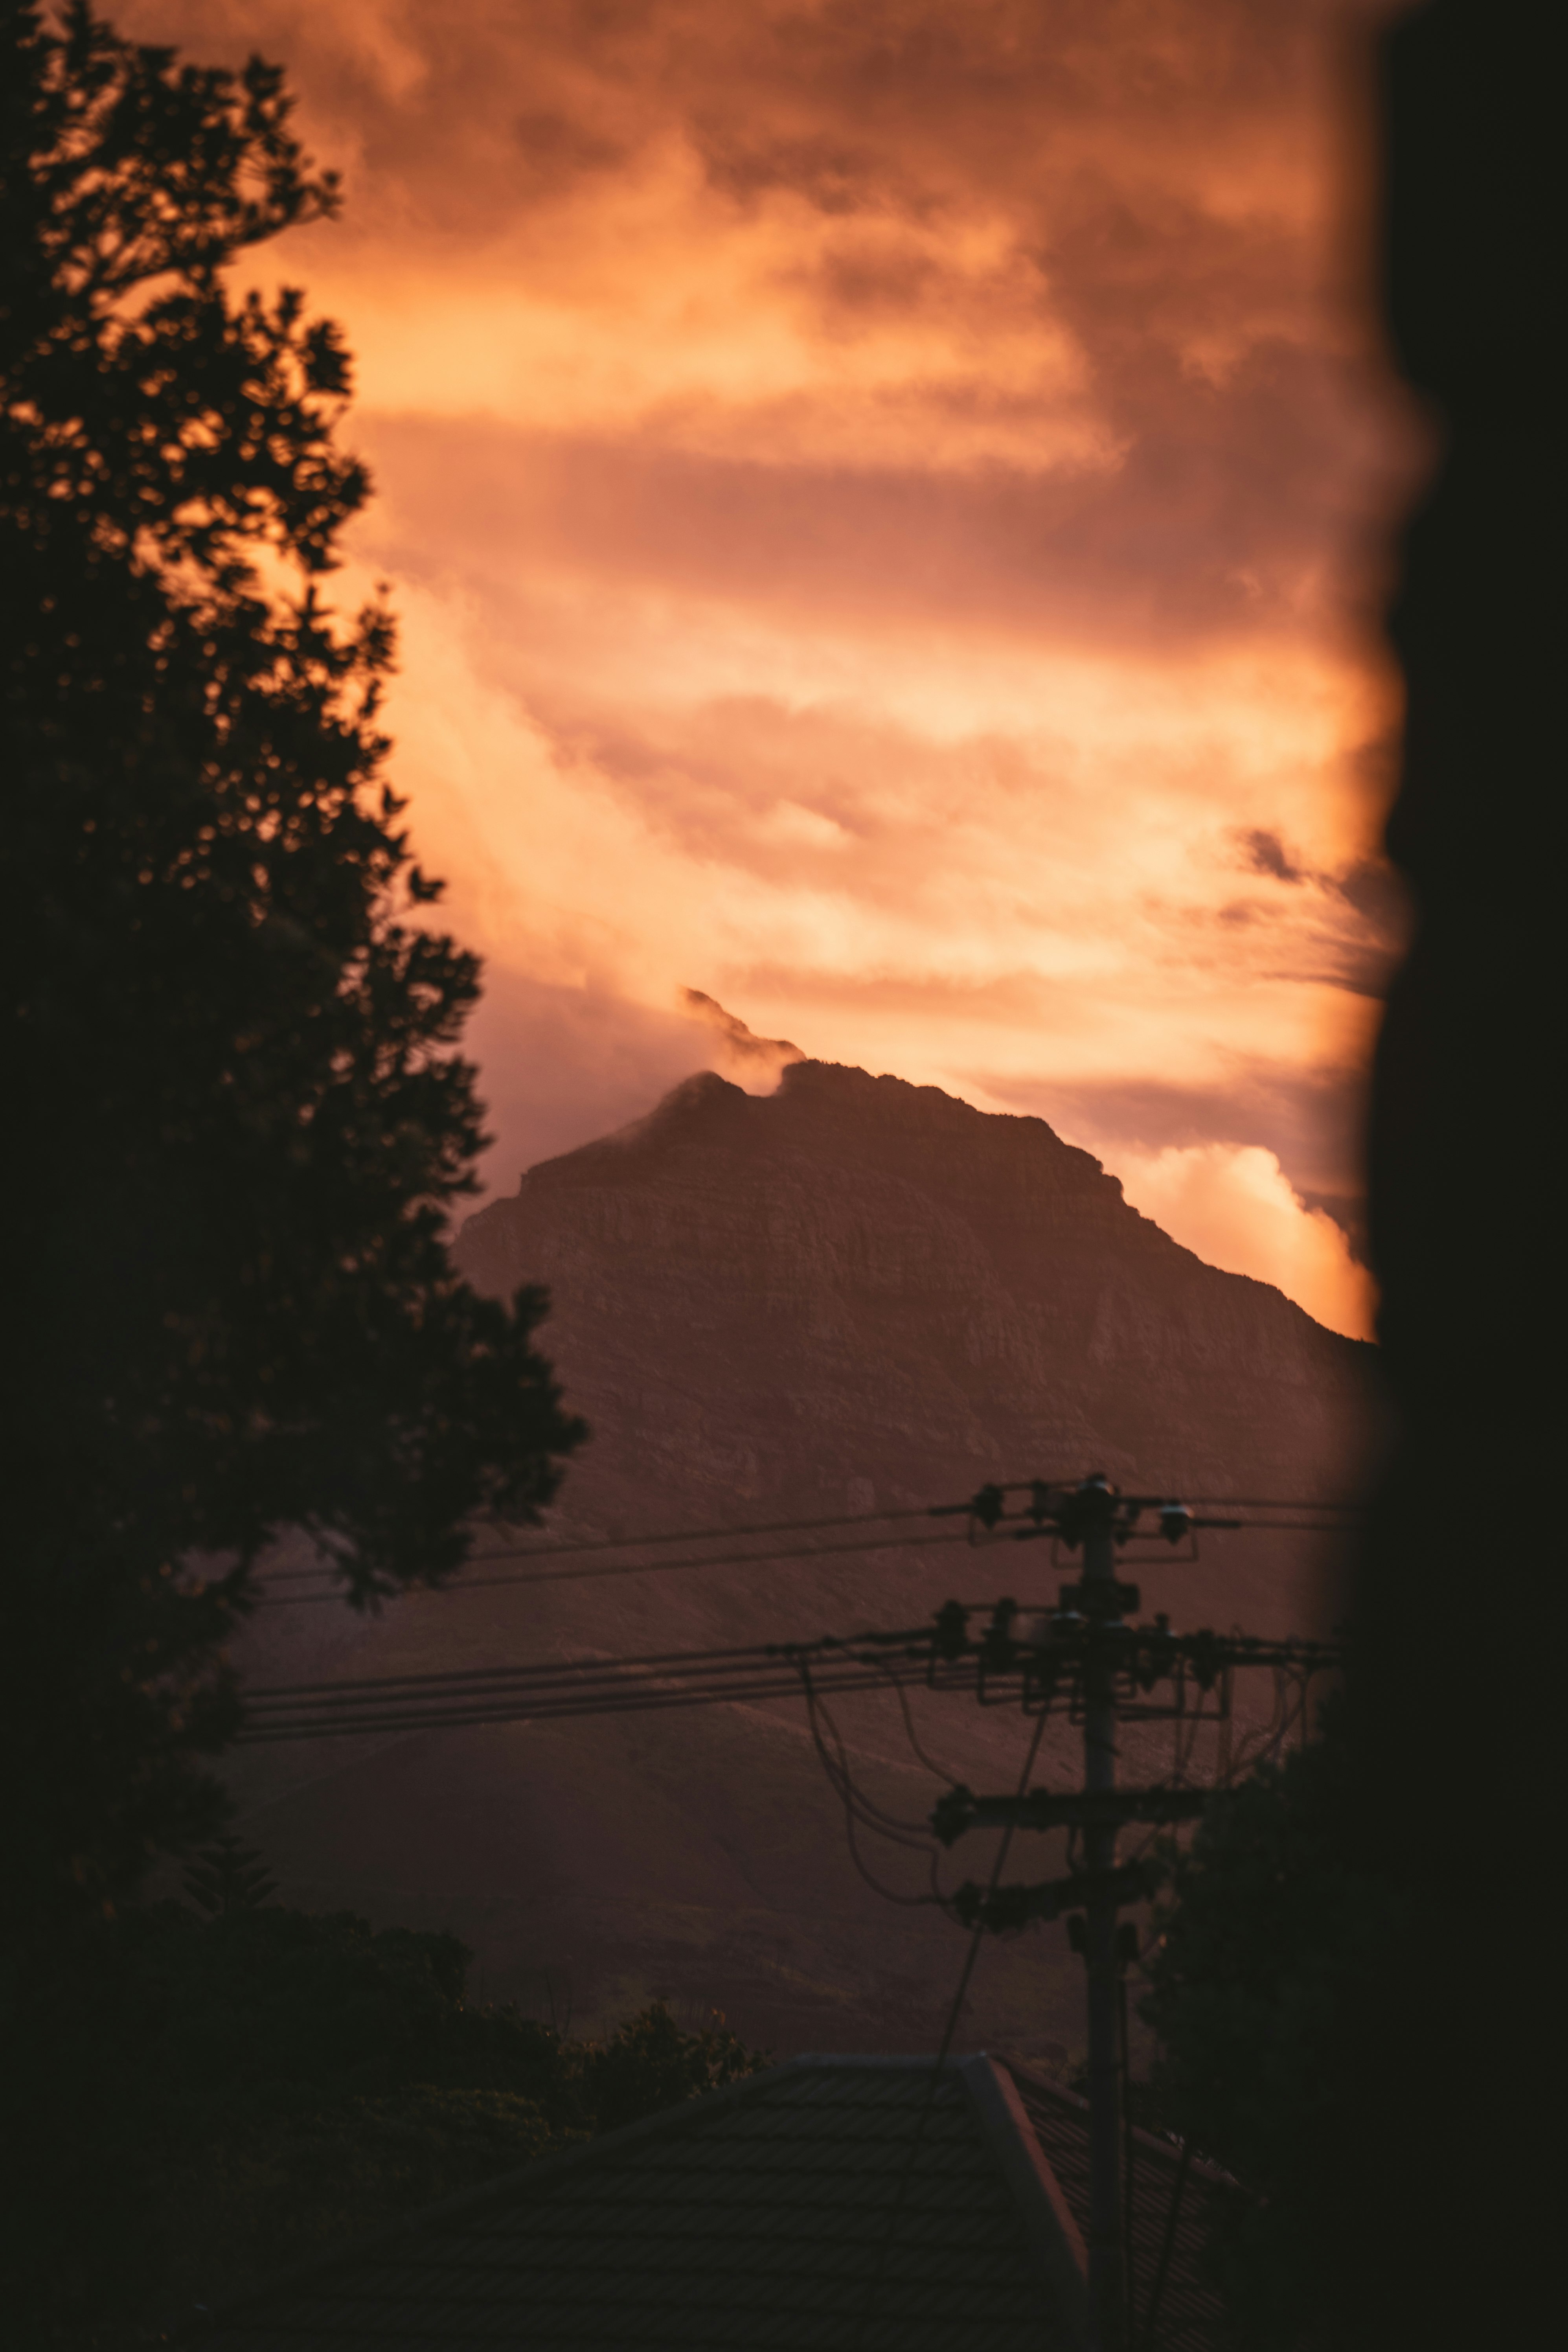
x=228, y=1876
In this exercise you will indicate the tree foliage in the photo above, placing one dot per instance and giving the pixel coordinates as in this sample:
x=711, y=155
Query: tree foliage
x=1275, y=1922
x=234, y=1025
x=228, y=1876
x=272, y=2083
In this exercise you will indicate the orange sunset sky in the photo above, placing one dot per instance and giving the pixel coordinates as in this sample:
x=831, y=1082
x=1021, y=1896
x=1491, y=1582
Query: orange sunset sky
x=888, y=507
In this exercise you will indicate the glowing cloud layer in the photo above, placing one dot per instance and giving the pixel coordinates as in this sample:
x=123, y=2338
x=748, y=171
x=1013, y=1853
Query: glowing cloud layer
x=878, y=502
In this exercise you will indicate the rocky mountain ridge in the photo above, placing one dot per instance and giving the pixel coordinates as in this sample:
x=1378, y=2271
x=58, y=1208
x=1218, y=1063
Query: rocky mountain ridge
x=899, y=1280
x=850, y=1295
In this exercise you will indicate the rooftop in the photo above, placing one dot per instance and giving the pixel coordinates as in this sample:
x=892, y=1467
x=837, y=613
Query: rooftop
x=840, y=2204
x=1175, y=2208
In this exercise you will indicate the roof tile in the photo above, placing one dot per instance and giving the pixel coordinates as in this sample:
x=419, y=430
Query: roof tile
x=798, y=2211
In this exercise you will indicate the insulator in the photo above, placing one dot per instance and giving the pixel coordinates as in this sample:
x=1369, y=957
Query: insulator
x=988, y=1506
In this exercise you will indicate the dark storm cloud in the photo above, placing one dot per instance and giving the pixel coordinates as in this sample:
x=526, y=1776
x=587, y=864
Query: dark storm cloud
x=1267, y=854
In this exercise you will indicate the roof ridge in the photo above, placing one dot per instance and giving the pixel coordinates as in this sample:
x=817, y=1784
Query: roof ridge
x=1203, y=2167
x=1031, y=2182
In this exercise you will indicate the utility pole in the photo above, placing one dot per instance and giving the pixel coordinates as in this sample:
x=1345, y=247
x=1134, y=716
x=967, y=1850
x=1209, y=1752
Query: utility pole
x=1082, y=1659
x=1085, y=1655
x=1102, y=1605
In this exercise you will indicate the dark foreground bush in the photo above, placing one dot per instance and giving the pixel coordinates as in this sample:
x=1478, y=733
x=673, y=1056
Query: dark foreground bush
x=269, y=2191
x=1280, y=1919
x=210, y=2100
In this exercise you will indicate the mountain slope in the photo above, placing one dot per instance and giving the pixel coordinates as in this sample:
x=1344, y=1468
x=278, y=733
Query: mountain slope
x=855, y=1277
x=853, y=1295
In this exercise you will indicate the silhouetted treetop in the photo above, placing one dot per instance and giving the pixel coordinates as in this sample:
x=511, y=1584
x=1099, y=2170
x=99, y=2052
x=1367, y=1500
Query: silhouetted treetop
x=241, y=1117
x=141, y=401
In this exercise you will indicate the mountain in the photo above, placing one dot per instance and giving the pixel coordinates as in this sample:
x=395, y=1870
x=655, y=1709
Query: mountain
x=764, y=1298
x=851, y=1296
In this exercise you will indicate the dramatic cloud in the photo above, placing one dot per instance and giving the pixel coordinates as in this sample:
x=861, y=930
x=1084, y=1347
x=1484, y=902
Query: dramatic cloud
x=1236, y=1207
x=883, y=503
x=757, y=1055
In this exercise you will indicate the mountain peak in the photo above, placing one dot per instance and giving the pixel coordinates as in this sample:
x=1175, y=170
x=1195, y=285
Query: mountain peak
x=839, y=1117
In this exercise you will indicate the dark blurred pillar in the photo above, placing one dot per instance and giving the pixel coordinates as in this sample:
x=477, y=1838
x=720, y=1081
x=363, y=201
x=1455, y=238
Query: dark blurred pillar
x=1453, y=2161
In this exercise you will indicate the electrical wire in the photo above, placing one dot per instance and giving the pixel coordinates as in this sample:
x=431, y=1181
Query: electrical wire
x=537, y=1711
x=1280, y=1527
x=902, y=1696
x=572, y=1696
x=916, y=1835
x=501, y=1692
x=431, y=1677
x=494, y=1694
x=543, y=1708
x=1271, y=1503
x=646, y=1539
x=1260, y=1746
x=561, y=1688
x=465, y=1584
x=629, y=1543
x=874, y=1816
x=635, y=1568
x=841, y=1781
x=1172, y=1494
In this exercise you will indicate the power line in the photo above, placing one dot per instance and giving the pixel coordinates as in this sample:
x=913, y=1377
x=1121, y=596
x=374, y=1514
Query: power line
x=637, y=1568
x=944, y=1638
x=522, y=1671
x=859, y=1807
x=1270, y=1502
x=628, y=1543
x=546, y=1706
x=646, y=1540
x=942, y=1653
x=571, y=1686
x=758, y=1559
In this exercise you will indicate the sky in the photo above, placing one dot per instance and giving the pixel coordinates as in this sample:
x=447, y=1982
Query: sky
x=887, y=506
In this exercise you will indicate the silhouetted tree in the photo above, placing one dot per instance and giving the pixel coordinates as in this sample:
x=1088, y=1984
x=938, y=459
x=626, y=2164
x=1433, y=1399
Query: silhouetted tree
x=1274, y=1923
x=264, y=2083
x=232, y=1305
x=228, y=1876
